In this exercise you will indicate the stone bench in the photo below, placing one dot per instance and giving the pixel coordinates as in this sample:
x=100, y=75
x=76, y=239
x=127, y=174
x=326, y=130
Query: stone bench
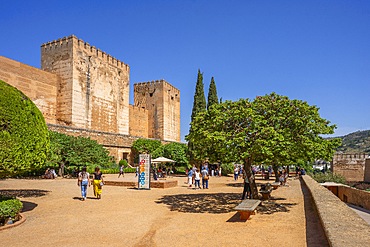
x=275, y=185
x=266, y=190
x=247, y=207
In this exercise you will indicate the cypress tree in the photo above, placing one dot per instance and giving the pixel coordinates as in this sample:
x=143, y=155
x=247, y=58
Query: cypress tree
x=212, y=94
x=199, y=103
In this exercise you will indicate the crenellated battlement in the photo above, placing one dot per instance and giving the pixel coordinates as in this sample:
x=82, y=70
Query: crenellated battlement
x=155, y=84
x=147, y=86
x=350, y=156
x=62, y=42
x=171, y=87
x=69, y=41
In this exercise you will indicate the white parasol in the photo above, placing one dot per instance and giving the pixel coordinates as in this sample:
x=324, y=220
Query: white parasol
x=162, y=160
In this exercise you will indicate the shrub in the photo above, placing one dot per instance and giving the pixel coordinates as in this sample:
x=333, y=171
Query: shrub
x=130, y=170
x=110, y=171
x=328, y=177
x=180, y=169
x=123, y=163
x=360, y=185
x=24, y=138
x=9, y=207
x=116, y=170
x=227, y=169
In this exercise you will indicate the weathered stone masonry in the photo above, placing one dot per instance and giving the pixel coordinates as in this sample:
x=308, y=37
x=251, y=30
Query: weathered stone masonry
x=350, y=166
x=83, y=91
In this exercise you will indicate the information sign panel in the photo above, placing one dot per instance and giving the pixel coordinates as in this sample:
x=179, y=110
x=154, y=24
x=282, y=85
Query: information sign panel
x=144, y=171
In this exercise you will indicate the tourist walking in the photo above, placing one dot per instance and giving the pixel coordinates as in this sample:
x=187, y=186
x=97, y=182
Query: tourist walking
x=98, y=182
x=83, y=181
x=247, y=193
x=205, y=178
x=197, y=179
x=121, y=171
x=236, y=173
x=190, y=177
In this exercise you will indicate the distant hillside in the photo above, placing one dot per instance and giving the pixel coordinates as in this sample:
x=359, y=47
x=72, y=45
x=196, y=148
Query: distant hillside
x=357, y=142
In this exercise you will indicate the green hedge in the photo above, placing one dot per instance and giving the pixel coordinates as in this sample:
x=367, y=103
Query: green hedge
x=24, y=137
x=9, y=207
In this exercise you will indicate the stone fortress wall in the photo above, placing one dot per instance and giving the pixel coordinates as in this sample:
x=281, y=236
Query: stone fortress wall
x=94, y=93
x=354, y=167
x=84, y=91
x=40, y=86
x=162, y=101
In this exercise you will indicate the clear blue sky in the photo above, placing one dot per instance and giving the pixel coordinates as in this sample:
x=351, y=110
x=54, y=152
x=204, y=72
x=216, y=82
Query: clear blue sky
x=317, y=51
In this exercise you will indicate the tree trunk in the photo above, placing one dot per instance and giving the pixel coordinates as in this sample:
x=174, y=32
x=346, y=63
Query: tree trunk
x=248, y=171
x=61, y=170
x=275, y=167
x=287, y=170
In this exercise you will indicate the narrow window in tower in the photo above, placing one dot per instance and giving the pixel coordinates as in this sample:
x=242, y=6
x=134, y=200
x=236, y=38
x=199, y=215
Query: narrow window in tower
x=151, y=94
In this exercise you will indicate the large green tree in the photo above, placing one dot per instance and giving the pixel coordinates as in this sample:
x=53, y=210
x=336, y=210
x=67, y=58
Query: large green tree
x=199, y=105
x=177, y=152
x=174, y=150
x=256, y=132
x=24, y=139
x=212, y=94
x=68, y=150
x=297, y=129
x=147, y=146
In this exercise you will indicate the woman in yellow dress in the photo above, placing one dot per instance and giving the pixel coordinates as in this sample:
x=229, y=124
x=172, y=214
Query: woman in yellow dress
x=98, y=182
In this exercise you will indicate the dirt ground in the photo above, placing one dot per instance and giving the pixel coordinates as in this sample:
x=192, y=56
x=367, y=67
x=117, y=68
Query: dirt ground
x=159, y=217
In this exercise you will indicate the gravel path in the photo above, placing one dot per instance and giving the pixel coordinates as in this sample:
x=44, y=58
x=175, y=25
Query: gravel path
x=159, y=217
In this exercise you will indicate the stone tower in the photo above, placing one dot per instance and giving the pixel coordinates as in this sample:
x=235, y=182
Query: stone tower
x=94, y=93
x=162, y=101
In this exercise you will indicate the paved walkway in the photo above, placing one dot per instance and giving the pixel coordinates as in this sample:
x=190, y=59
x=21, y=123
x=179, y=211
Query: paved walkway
x=363, y=213
x=176, y=216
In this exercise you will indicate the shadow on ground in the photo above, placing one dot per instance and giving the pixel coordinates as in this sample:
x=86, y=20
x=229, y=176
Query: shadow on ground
x=28, y=206
x=24, y=193
x=241, y=184
x=217, y=203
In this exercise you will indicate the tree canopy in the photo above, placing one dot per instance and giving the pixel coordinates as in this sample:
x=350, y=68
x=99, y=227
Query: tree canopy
x=199, y=103
x=146, y=146
x=272, y=129
x=24, y=139
x=212, y=94
x=175, y=151
x=70, y=150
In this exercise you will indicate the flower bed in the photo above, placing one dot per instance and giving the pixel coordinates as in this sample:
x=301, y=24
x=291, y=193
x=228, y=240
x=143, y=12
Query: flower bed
x=10, y=208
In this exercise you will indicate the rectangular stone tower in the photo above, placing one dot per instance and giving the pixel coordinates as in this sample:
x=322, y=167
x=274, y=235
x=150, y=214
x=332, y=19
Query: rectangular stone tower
x=94, y=93
x=162, y=101
x=350, y=166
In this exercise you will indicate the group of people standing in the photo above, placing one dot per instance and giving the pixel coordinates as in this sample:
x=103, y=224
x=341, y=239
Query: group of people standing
x=195, y=174
x=84, y=181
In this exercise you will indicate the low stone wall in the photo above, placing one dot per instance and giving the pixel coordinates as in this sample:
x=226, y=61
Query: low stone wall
x=343, y=227
x=354, y=196
x=153, y=184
